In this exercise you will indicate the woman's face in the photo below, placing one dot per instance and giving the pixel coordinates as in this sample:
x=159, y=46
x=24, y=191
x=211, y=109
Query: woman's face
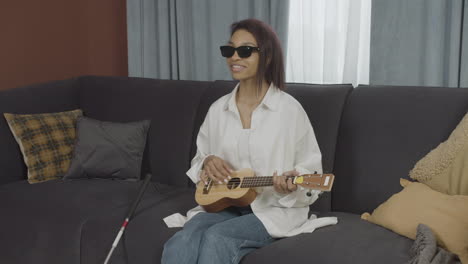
x=243, y=68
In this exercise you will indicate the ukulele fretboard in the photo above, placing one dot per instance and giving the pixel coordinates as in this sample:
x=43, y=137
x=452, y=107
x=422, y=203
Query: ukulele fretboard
x=259, y=181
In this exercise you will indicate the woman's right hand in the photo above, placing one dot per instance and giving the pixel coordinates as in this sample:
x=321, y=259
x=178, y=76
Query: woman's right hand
x=216, y=169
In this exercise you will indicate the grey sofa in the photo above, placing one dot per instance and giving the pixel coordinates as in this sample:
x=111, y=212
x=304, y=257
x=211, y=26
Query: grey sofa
x=369, y=138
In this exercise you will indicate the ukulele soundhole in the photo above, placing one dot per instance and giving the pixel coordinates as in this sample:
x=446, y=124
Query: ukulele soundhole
x=233, y=183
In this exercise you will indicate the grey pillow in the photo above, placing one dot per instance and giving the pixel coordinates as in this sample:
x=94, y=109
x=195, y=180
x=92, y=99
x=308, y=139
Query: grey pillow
x=108, y=149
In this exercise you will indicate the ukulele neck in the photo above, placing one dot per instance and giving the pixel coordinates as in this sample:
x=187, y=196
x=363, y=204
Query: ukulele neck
x=259, y=181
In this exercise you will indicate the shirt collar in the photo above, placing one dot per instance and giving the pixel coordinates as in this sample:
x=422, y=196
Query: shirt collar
x=270, y=101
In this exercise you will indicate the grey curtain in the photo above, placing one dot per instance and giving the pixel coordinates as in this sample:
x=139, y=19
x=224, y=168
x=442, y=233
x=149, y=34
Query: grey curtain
x=179, y=39
x=419, y=42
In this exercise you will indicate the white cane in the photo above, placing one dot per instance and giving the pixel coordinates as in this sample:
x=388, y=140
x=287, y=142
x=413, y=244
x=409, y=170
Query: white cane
x=129, y=217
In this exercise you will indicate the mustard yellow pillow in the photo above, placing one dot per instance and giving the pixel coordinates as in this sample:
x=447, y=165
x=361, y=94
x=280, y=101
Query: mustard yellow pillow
x=444, y=168
x=46, y=142
x=446, y=215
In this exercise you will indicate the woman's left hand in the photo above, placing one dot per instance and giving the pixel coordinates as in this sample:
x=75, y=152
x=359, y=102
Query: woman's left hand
x=284, y=185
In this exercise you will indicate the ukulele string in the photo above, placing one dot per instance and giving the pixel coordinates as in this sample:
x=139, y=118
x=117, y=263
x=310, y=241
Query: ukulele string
x=259, y=181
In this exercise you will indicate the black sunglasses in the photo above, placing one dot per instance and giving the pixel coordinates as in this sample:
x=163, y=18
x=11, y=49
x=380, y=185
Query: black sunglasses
x=242, y=51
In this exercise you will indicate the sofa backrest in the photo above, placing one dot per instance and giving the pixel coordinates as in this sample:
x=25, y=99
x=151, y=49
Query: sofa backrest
x=170, y=105
x=176, y=109
x=323, y=104
x=40, y=98
x=369, y=136
x=384, y=132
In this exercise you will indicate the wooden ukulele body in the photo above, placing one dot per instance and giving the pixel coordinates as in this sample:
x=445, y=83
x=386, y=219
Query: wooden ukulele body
x=215, y=197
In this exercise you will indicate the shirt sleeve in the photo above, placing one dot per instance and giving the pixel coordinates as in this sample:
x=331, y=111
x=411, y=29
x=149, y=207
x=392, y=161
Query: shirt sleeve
x=203, y=148
x=308, y=159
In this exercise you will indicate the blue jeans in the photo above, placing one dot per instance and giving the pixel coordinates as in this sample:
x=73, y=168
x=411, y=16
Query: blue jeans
x=223, y=237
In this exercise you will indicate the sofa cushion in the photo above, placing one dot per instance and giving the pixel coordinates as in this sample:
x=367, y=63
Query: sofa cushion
x=383, y=133
x=57, y=96
x=352, y=240
x=170, y=105
x=46, y=223
x=108, y=149
x=146, y=234
x=46, y=141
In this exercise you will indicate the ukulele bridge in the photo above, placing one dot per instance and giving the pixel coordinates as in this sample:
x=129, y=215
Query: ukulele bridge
x=207, y=187
x=231, y=185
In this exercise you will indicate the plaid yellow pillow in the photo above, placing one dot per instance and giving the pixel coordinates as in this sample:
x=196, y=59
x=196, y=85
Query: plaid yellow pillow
x=46, y=141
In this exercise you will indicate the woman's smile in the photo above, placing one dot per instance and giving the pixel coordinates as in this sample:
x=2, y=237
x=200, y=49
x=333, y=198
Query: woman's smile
x=237, y=68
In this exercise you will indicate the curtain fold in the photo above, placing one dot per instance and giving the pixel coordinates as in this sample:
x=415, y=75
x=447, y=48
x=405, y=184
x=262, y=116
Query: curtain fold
x=180, y=39
x=418, y=42
x=328, y=41
x=463, y=72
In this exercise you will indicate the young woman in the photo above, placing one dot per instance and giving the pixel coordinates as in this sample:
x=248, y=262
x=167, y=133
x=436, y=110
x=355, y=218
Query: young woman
x=256, y=126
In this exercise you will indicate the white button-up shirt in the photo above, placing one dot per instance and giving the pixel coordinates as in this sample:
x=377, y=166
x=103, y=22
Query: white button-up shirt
x=281, y=138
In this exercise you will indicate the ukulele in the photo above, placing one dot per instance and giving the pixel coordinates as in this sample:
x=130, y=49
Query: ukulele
x=239, y=190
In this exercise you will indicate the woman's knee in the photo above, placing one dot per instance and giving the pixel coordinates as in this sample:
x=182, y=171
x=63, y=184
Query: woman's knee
x=172, y=252
x=214, y=237
x=179, y=240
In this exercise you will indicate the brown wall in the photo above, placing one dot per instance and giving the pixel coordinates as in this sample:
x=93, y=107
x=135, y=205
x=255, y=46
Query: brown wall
x=58, y=39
